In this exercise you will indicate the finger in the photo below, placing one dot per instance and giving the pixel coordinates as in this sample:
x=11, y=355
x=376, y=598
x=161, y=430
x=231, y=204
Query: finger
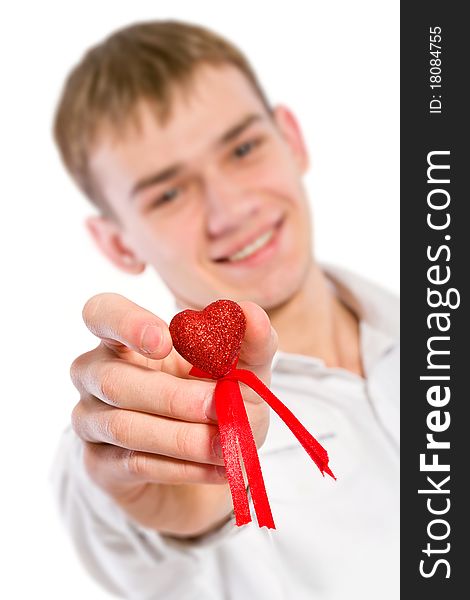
x=260, y=341
x=125, y=385
x=110, y=466
x=122, y=325
x=96, y=422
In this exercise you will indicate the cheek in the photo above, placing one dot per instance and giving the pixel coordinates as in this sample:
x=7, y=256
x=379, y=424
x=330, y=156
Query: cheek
x=280, y=176
x=172, y=241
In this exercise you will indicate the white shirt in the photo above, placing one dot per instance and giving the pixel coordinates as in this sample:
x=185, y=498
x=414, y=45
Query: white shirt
x=333, y=540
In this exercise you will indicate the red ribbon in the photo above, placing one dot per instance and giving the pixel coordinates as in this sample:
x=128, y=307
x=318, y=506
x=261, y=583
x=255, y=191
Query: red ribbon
x=234, y=426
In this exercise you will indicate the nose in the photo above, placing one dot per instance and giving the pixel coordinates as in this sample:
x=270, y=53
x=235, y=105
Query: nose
x=228, y=205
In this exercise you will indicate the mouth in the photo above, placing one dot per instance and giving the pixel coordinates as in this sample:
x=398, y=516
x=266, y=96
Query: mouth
x=255, y=247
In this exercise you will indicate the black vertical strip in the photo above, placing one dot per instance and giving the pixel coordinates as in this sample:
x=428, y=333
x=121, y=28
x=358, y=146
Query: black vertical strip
x=423, y=132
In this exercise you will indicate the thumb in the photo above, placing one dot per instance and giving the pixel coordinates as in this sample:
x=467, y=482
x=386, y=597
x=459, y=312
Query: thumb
x=259, y=343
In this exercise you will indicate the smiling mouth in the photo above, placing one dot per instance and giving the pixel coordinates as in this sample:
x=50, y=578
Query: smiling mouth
x=250, y=249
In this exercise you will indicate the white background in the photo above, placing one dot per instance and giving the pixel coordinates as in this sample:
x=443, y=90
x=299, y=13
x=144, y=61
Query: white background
x=334, y=63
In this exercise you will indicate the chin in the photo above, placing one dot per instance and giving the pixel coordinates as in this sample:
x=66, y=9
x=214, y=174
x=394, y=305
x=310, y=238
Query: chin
x=269, y=302
x=275, y=291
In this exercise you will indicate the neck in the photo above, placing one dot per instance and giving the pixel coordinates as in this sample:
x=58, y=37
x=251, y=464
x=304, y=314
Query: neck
x=314, y=322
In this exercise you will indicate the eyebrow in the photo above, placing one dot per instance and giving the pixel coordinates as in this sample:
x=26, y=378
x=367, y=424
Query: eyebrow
x=240, y=127
x=156, y=178
x=173, y=170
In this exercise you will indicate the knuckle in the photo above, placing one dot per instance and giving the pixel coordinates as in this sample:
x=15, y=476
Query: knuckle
x=118, y=428
x=136, y=463
x=82, y=369
x=76, y=418
x=170, y=394
x=182, y=441
x=76, y=371
x=109, y=384
x=184, y=472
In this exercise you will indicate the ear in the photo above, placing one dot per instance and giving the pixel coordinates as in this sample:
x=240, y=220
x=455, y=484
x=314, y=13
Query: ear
x=108, y=237
x=292, y=134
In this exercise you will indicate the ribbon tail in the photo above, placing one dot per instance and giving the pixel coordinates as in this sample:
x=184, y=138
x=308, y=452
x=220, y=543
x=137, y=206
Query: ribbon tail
x=314, y=449
x=250, y=458
x=228, y=441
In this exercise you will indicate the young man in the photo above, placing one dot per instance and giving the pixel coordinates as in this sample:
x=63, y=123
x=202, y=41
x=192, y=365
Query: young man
x=165, y=128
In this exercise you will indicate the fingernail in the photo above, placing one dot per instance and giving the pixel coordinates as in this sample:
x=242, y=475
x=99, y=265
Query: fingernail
x=217, y=446
x=210, y=411
x=152, y=338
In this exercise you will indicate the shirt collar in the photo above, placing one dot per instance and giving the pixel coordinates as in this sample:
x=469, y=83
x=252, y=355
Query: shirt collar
x=376, y=306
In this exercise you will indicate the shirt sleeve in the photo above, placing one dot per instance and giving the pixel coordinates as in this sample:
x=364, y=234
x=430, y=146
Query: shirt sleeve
x=127, y=559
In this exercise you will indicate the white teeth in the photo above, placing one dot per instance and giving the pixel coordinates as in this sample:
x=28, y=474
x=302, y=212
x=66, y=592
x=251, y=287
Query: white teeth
x=253, y=247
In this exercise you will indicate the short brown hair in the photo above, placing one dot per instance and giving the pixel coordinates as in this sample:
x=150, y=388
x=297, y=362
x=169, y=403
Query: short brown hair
x=140, y=62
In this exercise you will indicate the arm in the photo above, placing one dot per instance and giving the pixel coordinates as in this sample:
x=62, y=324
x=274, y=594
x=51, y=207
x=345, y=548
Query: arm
x=128, y=559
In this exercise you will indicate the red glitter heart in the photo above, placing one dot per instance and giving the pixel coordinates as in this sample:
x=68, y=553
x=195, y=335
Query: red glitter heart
x=210, y=339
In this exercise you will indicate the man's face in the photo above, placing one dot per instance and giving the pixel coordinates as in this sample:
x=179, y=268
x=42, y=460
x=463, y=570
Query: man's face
x=213, y=198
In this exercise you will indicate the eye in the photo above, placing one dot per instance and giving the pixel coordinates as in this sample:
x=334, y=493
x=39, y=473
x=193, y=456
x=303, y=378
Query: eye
x=245, y=148
x=166, y=197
